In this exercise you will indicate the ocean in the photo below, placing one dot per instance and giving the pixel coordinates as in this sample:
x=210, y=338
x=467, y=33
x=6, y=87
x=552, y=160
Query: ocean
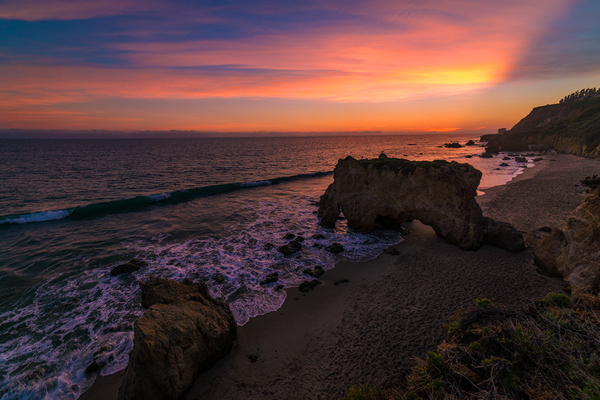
x=71, y=210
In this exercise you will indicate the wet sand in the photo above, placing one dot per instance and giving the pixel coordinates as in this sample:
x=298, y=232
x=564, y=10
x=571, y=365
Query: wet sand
x=393, y=308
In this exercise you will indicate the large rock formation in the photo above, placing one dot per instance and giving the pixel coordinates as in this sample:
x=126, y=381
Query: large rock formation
x=182, y=333
x=574, y=251
x=440, y=194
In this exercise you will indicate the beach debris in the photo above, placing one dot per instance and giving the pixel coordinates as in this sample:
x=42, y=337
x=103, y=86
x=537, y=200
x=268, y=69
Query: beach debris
x=335, y=248
x=272, y=277
x=592, y=181
x=340, y=281
x=183, y=332
x=128, y=267
x=308, y=286
x=318, y=236
x=290, y=248
x=314, y=272
x=289, y=236
x=392, y=251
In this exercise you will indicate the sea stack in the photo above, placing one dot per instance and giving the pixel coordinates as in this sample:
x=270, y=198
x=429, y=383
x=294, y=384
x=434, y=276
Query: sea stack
x=440, y=194
x=183, y=332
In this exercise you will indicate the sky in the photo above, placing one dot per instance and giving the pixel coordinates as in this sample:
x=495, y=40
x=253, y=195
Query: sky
x=406, y=66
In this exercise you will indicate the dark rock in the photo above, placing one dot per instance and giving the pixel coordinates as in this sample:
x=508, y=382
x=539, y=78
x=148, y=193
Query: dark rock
x=486, y=155
x=507, y=158
x=522, y=166
x=392, y=251
x=218, y=278
x=545, y=229
x=383, y=156
x=290, y=248
x=591, y=181
x=128, y=267
x=175, y=341
x=335, y=248
x=308, y=286
x=318, y=236
x=315, y=272
x=501, y=234
x=504, y=164
x=469, y=156
x=94, y=367
x=272, y=277
x=470, y=143
x=537, y=159
x=289, y=236
x=520, y=159
x=299, y=239
x=268, y=246
x=278, y=287
x=341, y=281
x=492, y=149
x=453, y=145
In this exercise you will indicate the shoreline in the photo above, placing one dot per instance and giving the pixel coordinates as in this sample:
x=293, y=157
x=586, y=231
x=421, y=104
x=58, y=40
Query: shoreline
x=392, y=309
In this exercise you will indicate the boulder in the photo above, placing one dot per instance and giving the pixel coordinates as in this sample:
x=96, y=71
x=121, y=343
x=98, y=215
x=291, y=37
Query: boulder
x=439, y=194
x=128, y=267
x=183, y=332
x=290, y=248
x=574, y=251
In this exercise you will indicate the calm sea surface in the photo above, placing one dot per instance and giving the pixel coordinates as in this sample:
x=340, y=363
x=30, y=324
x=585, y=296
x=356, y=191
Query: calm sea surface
x=70, y=210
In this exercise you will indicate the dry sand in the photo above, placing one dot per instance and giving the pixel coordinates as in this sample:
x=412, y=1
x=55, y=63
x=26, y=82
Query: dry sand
x=393, y=308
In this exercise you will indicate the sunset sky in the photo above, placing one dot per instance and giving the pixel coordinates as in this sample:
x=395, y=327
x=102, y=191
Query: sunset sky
x=291, y=66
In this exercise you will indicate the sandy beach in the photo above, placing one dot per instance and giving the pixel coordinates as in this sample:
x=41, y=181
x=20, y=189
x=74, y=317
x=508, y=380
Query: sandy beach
x=389, y=310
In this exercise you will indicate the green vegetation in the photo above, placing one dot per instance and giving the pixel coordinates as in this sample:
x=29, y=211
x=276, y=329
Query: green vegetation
x=549, y=349
x=483, y=303
x=364, y=392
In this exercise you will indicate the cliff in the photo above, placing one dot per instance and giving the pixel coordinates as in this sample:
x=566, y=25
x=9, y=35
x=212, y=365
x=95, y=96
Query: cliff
x=388, y=191
x=572, y=127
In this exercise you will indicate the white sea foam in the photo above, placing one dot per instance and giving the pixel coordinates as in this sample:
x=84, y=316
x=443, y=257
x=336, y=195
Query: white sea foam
x=37, y=217
x=254, y=184
x=158, y=196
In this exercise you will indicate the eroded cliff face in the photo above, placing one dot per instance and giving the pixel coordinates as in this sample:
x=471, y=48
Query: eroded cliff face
x=389, y=191
x=574, y=251
x=183, y=332
x=571, y=127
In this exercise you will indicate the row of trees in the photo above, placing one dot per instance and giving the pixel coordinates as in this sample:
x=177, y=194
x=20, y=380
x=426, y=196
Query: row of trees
x=579, y=94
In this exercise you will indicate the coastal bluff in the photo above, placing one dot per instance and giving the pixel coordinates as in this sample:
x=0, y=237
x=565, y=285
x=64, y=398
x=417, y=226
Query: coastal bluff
x=388, y=191
x=183, y=332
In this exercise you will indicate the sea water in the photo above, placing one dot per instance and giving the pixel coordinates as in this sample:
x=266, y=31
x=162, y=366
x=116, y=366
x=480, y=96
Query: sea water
x=71, y=210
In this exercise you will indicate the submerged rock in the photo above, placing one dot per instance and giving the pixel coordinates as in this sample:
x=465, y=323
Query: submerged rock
x=308, y=286
x=183, y=332
x=439, y=194
x=272, y=277
x=574, y=251
x=335, y=248
x=290, y=248
x=128, y=267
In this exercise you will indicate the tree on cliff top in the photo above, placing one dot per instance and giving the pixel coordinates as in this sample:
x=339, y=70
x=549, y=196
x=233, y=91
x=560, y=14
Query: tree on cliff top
x=579, y=94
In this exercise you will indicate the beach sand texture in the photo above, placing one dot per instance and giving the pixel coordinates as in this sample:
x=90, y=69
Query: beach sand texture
x=393, y=308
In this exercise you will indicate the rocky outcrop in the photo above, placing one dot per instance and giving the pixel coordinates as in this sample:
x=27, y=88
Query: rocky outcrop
x=129, y=267
x=574, y=251
x=182, y=333
x=439, y=194
x=570, y=127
